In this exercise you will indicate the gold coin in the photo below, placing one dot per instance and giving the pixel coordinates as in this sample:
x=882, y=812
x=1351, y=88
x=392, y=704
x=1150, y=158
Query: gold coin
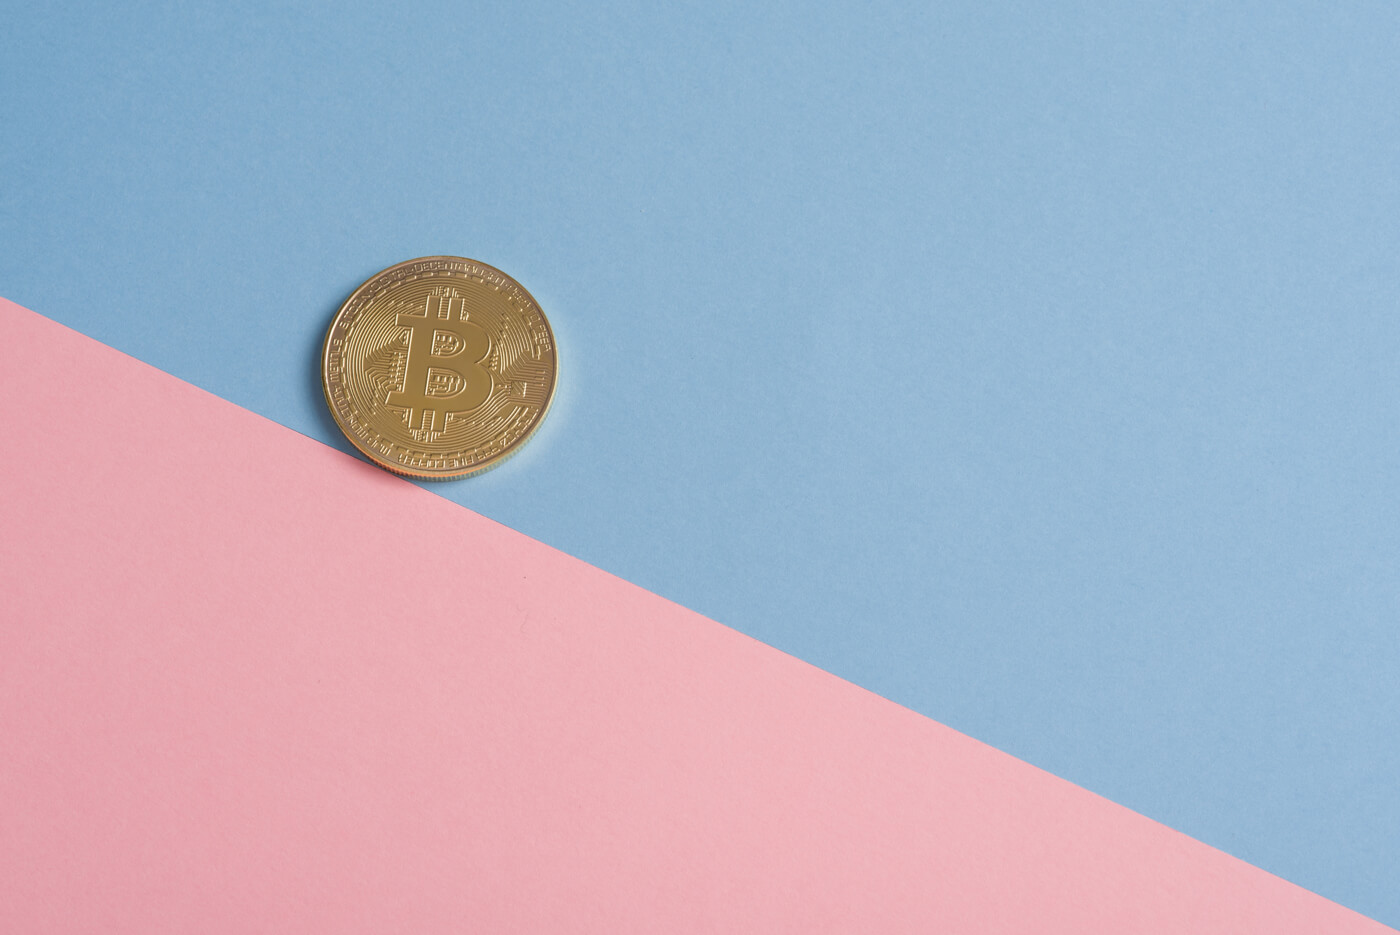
x=439, y=367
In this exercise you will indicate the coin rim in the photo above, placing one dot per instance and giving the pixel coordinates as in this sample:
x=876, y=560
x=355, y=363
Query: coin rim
x=455, y=473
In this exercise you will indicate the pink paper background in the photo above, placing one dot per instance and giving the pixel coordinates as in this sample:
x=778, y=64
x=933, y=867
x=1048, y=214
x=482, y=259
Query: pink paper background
x=248, y=683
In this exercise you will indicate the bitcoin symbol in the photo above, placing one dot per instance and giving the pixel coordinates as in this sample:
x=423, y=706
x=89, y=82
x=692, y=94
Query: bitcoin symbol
x=443, y=373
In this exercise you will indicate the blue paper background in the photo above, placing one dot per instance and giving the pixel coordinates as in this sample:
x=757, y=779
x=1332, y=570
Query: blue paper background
x=1033, y=365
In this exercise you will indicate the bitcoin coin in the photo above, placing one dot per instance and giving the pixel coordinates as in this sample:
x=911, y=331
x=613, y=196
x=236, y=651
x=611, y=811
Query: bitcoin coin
x=439, y=367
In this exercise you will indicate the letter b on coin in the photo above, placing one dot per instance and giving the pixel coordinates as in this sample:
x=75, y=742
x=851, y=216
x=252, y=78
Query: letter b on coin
x=443, y=373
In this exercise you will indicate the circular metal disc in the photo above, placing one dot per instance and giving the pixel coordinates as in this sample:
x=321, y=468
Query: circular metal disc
x=439, y=367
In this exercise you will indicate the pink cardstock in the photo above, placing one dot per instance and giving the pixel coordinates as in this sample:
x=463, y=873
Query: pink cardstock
x=249, y=683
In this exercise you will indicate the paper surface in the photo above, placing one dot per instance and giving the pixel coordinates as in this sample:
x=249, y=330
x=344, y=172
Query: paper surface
x=249, y=683
x=1030, y=365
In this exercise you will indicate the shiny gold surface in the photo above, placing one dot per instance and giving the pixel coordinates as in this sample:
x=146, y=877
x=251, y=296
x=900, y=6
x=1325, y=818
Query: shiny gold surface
x=439, y=367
